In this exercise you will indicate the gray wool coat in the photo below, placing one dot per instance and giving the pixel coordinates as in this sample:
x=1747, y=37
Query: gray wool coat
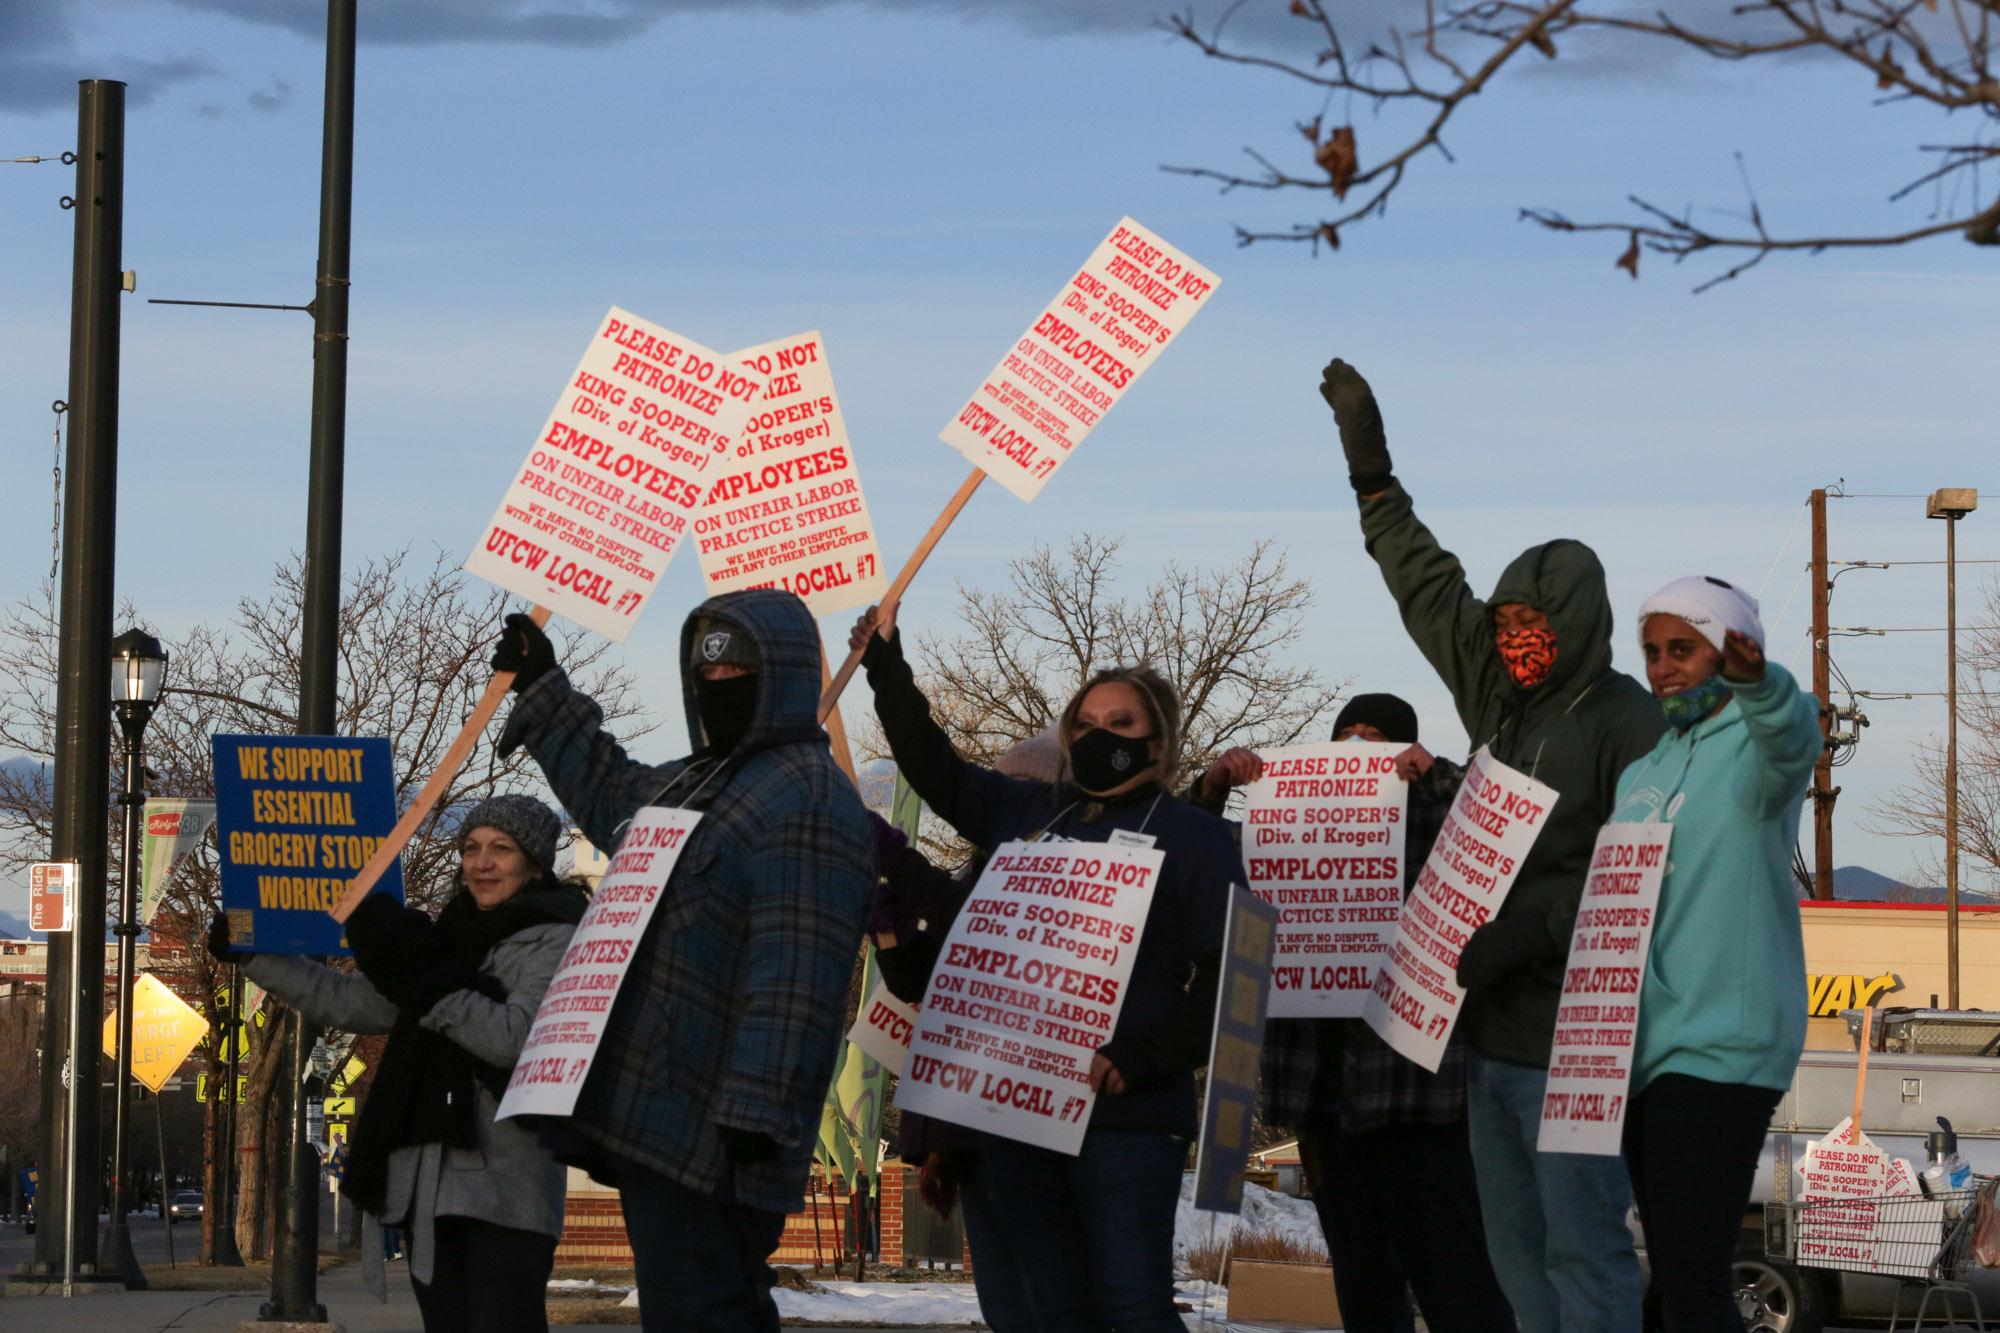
x=507, y=1179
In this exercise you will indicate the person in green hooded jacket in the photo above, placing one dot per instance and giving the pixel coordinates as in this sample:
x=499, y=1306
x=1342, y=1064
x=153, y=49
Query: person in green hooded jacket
x=1529, y=670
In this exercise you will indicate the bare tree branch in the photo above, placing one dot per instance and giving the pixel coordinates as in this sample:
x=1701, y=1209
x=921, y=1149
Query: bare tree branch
x=1901, y=44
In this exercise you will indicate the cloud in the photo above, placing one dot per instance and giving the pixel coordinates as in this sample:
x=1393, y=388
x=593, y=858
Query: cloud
x=272, y=96
x=587, y=23
x=40, y=65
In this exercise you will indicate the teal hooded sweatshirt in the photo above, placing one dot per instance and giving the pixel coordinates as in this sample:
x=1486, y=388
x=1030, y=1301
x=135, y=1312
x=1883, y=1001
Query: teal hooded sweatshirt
x=1725, y=991
x=1576, y=731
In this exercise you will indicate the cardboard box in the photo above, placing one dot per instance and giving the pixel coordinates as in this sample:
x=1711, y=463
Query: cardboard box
x=1267, y=1291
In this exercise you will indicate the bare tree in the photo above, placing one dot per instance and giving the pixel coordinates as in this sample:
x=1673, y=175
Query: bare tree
x=1917, y=808
x=1220, y=635
x=1935, y=52
x=413, y=646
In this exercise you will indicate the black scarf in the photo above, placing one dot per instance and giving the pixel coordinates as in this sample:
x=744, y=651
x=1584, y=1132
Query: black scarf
x=426, y=1089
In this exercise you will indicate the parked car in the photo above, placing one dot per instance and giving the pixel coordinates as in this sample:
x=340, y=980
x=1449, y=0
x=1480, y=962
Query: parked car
x=186, y=1205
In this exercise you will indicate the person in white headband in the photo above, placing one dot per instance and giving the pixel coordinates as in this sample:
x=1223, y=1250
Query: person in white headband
x=1722, y=1014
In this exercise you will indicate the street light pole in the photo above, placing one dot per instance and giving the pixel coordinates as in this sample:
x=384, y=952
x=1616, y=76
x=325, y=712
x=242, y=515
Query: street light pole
x=1951, y=504
x=138, y=665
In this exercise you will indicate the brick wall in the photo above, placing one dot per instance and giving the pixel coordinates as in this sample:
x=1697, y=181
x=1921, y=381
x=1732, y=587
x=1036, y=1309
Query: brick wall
x=594, y=1228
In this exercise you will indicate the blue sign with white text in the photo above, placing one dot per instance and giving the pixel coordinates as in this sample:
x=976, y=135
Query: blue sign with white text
x=297, y=817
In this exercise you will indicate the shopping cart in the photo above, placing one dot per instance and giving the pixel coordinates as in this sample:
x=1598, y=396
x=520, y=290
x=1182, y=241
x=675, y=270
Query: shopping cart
x=1922, y=1241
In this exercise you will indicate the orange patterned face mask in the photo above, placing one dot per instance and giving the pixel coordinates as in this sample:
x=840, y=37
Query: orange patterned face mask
x=1528, y=654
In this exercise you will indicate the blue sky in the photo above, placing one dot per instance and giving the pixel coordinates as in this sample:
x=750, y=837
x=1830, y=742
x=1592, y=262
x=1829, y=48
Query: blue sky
x=916, y=184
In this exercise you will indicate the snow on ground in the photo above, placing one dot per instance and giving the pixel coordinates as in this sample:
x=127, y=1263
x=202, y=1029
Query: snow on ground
x=937, y=1304
x=585, y=1286
x=1263, y=1210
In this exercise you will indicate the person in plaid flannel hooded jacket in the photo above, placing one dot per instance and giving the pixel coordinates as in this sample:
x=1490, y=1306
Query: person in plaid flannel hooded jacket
x=705, y=1098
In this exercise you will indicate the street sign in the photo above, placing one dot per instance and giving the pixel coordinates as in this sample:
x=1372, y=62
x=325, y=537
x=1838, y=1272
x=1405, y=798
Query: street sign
x=201, y=1087
x=51, y=895
x=336, y=1107
x=165, y=1029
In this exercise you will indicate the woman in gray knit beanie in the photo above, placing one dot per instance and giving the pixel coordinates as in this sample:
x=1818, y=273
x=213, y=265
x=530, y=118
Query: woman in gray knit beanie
x=481, y=1199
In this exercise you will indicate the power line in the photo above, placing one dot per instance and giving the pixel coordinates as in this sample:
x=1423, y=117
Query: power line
x=1891, y=564
x=1911, y=629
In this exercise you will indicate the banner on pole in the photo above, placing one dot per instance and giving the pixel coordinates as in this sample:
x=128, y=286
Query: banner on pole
x=1492, y=825
x=1229, y=1099
x=562, y=1041
x=617, y=474
x=1030, y=984
x=1323, y=839
x=785, y=508
x=1597, y=1021
x=296, y=817
x=1101, y=332
x=173, y=826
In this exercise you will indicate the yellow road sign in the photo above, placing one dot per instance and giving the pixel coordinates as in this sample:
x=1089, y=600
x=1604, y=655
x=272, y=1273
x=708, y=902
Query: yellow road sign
x=335, y=1107
x=165, y=1028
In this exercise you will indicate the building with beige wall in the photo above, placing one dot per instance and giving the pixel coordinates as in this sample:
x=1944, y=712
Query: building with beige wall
x=1860, y=953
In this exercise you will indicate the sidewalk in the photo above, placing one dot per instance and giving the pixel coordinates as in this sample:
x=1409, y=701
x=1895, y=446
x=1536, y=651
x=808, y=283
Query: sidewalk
x=340, y=1290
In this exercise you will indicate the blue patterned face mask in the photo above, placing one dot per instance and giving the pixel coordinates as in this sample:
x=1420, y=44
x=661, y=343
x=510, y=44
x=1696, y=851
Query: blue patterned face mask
x=1690, y=706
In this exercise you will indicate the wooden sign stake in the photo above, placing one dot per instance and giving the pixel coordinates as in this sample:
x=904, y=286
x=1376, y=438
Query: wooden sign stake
x=831, y=695
x=454, y=759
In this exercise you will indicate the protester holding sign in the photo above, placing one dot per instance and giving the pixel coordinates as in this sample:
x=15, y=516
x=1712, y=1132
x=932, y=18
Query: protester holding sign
x=1096, y=1230
x=917, y=902
x=1382, y=1139
x=1722, y=1016
x=704, y=1099
x=482, y=1200
x=1529, y=671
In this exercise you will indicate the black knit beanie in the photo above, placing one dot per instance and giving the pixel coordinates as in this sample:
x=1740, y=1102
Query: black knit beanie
x=1384, y=712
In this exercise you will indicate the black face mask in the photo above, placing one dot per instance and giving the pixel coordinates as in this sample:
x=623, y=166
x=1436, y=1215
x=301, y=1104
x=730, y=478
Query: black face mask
x=1100, y=760
x=726, y=708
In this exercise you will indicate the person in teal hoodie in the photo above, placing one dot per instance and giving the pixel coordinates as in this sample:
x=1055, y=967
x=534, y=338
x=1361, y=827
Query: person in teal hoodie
x=1529, y=670
x=1722, y=1016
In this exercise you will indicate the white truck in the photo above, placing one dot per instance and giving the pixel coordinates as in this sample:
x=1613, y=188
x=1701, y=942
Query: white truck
x=1923, y=1064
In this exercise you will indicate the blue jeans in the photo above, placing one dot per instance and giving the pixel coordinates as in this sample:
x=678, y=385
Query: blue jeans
x=998, y=1275
x=700, y=1259
x=1095, y=1232
x=1555, y=1222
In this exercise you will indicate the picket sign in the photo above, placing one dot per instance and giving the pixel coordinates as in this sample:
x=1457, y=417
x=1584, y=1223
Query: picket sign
x=1031, y=982
x=830, y=697
x=1324, y=834
x=883, y=1028
x=1493, y=824
x=1597, y=1019
x=433, y=789
x=1056, y=382
x=563, y=1039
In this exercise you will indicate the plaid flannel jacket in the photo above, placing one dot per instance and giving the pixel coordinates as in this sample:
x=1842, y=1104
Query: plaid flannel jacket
x=1374, y=1086
x=731, y=1012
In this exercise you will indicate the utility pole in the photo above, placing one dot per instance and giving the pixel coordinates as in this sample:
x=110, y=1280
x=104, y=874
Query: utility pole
x=295, y=1253
x=66, y=1240
x=1824, y=792
x=1951, y=504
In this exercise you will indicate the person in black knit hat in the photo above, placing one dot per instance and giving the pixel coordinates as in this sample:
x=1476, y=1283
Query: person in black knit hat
x=1383, y=1141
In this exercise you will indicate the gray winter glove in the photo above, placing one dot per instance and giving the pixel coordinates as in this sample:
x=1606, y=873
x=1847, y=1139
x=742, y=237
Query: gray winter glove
x=1360, y=422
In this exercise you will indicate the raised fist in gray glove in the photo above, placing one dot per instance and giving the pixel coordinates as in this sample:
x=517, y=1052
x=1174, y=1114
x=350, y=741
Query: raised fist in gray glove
x=1360, y=422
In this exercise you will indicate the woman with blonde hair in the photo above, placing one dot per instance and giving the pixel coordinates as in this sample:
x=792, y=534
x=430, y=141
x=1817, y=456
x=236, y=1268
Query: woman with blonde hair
x=1094, y=1232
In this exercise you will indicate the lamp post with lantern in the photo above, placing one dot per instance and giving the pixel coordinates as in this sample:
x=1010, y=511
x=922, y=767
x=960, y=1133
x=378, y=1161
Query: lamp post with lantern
x=138, y=668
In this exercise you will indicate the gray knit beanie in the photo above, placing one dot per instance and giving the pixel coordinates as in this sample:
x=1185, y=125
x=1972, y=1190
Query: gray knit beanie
x=529, y=822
